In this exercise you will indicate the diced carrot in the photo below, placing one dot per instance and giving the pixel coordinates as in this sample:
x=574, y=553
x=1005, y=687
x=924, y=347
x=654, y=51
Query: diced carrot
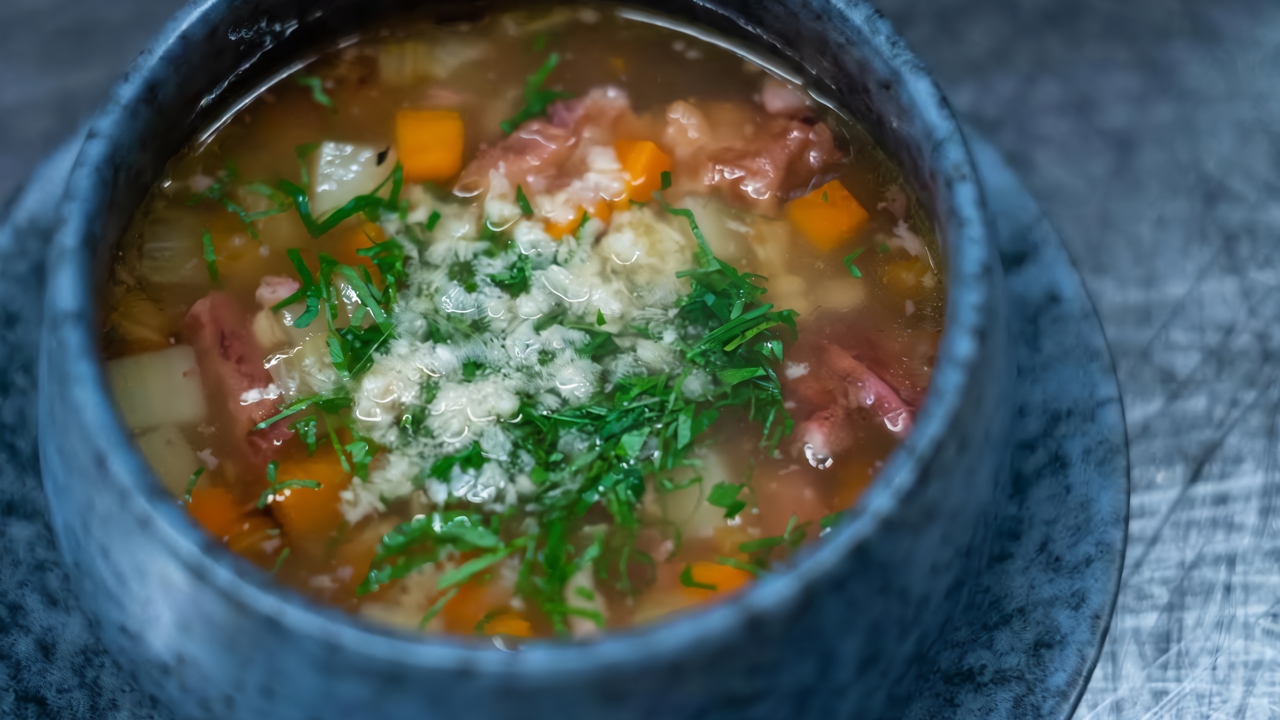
x=356, y=555
x=217, y=510
x=558, y=230
x=360, y=238
x=726, y=579
x=310, y=515
x=509, y=623
x=429, y=144
x=257, y=538
x=827, y=216
x=644, y=163
x=467, y=608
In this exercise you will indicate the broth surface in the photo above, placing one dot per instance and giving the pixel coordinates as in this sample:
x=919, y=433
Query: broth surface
x=456, y=327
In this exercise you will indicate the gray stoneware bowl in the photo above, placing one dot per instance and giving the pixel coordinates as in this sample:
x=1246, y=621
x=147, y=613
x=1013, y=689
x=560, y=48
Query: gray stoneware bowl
x=843, y=632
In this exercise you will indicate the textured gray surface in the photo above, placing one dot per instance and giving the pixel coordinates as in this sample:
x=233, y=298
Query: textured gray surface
x=1147, y=129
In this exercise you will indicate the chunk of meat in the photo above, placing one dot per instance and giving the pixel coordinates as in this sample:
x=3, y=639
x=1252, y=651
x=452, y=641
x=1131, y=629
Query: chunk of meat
x=838, y=386
x=757, y=158
x=274, y=289
x=779, y=98
x=543, y=155
x=232, y=363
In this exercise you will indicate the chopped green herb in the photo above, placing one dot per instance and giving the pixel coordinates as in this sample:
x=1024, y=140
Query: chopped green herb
x=432, y=220
x=210, y=255
x=275, y=488
x=884, y=248
x=472, y=567
x=540, y=42
x=725, y=495
x=217, y=192
x=191, y=484
x=317, y=90
x=515, y=280
x=437, y=606
x=600, y=321
x=585, y=593
x=284, y=555
x=829, y=521
x=848, y=262
x=371, y=202
x=307, y=428
x=536, y=98
x=666, y=179
x=686, y=579
x=523, y=201
x=740, y=565
x=824, y=196
x=583, y=221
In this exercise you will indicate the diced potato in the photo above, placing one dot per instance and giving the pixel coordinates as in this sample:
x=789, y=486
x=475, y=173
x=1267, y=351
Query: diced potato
x=828, y=216
x=158, y=388
x=170, y=456
x=686, y=507
x=342, y=171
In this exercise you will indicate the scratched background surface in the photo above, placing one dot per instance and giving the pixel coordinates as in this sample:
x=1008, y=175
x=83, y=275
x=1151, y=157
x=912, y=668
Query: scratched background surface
x=1149, y=130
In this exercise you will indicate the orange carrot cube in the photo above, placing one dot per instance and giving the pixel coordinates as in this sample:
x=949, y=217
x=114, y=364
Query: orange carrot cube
x=644, y=162
x=429, y=144
x=828, y=216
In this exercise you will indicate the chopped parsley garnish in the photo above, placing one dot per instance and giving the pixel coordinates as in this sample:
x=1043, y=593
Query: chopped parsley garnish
x=523, y=201
x=275, y=487
x=884, y=248
x=824, y=196
x=725, y=495
x=686, y=579
x=210, y=257
x=437, y=606
x=536, y=98
x=317, y=90
x=432, y=220
x=284, y=555
x=370, y=203
x=217, y=192
x=826, y=522
x=191, y=484
x=600, y=319
x=848, y=262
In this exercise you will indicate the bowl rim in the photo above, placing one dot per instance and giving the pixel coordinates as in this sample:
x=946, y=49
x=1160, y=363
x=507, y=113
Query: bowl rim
x=71, y=318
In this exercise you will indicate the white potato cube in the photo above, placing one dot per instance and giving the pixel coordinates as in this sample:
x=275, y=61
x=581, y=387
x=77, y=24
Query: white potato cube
x=342, y=171
x=158, y=388
x=170, y=456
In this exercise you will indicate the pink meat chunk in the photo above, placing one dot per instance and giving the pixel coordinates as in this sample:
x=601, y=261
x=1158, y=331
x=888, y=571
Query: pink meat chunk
x=779, y=98
x=275, y=289
x=839, y=386
x=231, y=361
x=542, y=155
x=758, y=158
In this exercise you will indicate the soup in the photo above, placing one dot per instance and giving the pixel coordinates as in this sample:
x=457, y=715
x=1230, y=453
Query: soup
x=538, y=326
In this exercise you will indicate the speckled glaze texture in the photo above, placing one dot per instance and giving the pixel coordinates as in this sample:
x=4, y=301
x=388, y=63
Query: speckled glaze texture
x=847, y=631
x=1028, y=638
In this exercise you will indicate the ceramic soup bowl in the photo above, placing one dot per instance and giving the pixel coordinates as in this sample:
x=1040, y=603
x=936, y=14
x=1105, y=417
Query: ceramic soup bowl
x=842, y=631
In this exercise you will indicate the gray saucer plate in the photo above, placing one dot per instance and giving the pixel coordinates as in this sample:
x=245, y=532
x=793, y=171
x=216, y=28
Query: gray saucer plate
x=1023, y=643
